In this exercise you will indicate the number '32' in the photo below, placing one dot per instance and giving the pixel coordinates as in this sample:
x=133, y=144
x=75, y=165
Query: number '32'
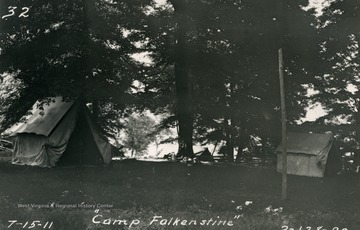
x=12, y=9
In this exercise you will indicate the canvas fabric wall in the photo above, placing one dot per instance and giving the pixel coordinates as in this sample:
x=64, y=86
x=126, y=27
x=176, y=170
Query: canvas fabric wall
x=307, y=154
x=302, y=165
x=43, y=137
x=39, y=150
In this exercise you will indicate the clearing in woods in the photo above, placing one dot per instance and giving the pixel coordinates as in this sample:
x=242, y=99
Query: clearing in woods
x=139, y=191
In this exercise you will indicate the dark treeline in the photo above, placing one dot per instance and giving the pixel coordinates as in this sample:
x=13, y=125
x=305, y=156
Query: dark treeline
x=212, y=64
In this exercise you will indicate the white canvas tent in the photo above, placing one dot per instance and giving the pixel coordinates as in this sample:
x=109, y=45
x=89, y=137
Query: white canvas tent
x=61, y=133
x=311, y=155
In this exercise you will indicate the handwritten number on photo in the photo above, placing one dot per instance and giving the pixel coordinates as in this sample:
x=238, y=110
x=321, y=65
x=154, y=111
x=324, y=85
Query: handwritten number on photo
x=11, y=12
x=24, y=13
x=12, y=9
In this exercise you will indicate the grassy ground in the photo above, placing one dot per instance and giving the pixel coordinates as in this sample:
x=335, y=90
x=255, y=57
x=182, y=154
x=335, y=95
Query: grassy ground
x=134, y=193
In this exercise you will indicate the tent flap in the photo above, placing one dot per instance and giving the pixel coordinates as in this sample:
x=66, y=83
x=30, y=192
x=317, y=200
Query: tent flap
x=102, y=144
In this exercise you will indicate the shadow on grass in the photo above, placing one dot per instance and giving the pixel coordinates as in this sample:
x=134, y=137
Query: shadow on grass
x=144, y=189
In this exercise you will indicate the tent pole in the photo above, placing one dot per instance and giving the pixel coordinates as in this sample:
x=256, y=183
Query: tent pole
x=283, y=126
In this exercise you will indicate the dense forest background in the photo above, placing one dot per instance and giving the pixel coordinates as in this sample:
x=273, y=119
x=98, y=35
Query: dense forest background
x=210, y=65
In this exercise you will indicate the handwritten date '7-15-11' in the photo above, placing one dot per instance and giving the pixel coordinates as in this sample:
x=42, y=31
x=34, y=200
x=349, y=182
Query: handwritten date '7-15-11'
x=36, y=224
x=14, y=11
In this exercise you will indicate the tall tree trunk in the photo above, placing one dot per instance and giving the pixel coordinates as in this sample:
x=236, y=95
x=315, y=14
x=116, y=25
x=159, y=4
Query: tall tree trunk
x=357, y=113
x=357, y=132
x=95, y=108
x=229, y=122
x=243, y=141
x=229, y=140
x=89, y=91
x=184, y=109
x=239, y=153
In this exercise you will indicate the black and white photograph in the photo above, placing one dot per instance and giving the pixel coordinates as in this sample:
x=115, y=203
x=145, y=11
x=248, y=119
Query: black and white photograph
x=180, y=114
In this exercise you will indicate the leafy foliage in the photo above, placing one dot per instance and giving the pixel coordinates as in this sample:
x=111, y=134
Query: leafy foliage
x=212, y=65
x=139, y=133
x=338, y=86
x=74, y=49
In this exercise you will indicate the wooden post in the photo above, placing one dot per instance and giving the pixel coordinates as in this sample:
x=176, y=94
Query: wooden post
x=283, y=126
